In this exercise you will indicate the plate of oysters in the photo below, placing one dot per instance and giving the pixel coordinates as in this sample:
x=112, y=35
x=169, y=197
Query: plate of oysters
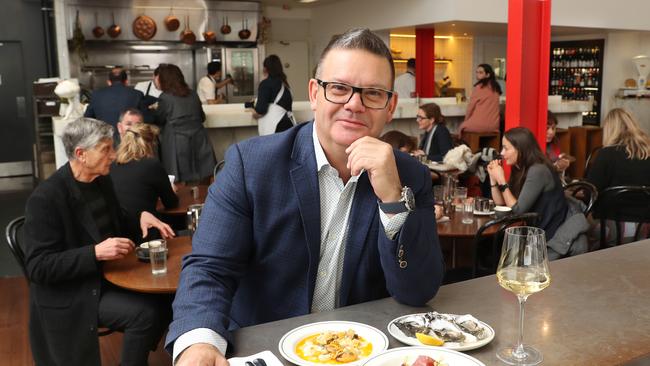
x=451, y=331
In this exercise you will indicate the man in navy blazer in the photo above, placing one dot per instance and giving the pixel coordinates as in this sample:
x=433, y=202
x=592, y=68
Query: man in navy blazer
x=320, y=216
x=107, y=103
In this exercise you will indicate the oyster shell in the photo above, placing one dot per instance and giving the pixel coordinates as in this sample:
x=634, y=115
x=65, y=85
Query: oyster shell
x=471, y=325
x=450, y=328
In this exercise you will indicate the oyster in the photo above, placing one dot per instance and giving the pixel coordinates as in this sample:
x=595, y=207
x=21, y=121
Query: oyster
x=471, y=325
x=413, y=324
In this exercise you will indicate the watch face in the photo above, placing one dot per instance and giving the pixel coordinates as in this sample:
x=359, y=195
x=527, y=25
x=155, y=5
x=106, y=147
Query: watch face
x=409, y=199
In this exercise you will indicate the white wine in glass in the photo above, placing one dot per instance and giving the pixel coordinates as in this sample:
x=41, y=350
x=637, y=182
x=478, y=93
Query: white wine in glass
x=523, y=270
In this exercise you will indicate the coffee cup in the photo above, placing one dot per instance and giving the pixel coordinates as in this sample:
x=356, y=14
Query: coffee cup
x=142, y=252
x=502, y=211
x=482, y=205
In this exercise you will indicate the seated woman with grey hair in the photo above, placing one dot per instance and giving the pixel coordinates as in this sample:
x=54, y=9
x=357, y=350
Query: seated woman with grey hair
x=74, y=223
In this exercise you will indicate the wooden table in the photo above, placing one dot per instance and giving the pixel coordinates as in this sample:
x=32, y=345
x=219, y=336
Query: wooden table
x=185, y=199
x=134, y=275
x=454, y=228
x=595, y=312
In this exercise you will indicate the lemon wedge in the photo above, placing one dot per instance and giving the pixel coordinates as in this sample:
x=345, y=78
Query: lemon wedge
x=429, y=340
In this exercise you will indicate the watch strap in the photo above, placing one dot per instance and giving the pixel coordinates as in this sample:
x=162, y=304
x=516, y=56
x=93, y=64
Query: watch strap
x=503, y=187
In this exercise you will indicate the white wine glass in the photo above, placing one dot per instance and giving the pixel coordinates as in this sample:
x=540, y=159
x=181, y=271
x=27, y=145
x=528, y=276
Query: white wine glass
x=523, y=270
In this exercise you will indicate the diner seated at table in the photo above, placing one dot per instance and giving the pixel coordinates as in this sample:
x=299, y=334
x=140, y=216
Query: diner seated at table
x=625, y=157
x=128, y=118
x=317, y=217
x=138, y=176
x=400, y=141
x=553, y=153
x=74, y=223
x=436, y=140
x=535, y=186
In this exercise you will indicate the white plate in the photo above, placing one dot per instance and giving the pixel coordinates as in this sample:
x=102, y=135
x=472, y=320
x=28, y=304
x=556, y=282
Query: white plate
x=481, y=213
x=396, y=356
x=395, y=332
x=287, y=345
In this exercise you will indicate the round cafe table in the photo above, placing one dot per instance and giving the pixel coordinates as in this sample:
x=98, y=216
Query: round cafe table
x=185, y=199
x=132, y=274
x=454, y=228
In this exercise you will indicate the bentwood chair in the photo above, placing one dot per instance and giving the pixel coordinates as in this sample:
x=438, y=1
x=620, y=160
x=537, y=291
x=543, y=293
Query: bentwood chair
x=583, y=191
x=485, y=250
x=14, y=233
x=622, y=204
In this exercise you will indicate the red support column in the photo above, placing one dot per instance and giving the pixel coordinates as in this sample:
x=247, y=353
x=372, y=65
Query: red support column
x=424, y=62
x=529, y=36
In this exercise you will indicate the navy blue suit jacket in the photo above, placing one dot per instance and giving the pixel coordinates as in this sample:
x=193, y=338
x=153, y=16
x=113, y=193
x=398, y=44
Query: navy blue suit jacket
x=441, y=143
x=106, y=104
x=255, y=254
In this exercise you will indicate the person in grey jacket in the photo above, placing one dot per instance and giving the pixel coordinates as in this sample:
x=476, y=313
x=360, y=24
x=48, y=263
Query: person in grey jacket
x=186, y=149
x=534, y=186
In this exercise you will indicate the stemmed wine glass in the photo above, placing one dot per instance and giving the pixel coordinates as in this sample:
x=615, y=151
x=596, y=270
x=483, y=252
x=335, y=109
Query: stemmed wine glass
x=523, y=270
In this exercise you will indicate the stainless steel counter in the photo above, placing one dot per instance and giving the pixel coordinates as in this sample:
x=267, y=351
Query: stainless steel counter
x=595, y=312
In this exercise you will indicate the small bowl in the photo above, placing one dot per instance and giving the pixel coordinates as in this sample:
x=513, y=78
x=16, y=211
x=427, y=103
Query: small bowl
x=502, y=211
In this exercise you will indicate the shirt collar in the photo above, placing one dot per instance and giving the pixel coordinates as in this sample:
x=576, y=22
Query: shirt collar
x=321, y=159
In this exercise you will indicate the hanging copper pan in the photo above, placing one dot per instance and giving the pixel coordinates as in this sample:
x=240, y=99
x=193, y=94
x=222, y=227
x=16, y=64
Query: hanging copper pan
x=187, y=36
x=244, y=33
x=144, y=27
x=209, y=36
x=225, y=28
x=98, y=31
x=171, y=21
x=114, y=30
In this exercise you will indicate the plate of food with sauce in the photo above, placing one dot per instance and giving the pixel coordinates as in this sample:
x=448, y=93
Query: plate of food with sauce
x=422, y=356
x=332, y=343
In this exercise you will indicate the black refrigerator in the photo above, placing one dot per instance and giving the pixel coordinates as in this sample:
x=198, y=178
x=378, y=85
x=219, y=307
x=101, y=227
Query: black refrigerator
x=576, y=73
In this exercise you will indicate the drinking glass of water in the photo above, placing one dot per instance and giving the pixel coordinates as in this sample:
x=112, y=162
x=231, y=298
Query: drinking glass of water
x=158, y=256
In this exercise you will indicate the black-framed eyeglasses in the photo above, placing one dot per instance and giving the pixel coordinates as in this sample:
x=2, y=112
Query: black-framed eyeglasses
x=420, y=118
x=340, y=93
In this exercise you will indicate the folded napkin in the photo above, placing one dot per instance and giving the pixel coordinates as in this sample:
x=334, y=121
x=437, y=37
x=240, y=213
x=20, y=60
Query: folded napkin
x=268, y=357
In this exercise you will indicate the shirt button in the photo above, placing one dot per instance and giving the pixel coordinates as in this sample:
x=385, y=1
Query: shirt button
x=92, y=328
x=94, y=292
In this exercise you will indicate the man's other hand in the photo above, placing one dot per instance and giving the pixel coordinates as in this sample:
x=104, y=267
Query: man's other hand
x=113, y=248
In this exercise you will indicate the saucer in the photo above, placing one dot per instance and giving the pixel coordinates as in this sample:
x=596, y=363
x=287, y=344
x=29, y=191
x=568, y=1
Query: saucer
x=142, y=257
x=483, y=213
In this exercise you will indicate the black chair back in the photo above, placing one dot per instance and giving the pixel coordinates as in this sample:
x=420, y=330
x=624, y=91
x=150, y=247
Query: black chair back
x=584, y=191
x=591, y=158
x=622, y=204
x=486, y=250
x=14, y=233
x=490, y=265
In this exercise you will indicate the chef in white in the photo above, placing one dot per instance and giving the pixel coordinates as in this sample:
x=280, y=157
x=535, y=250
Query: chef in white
x=209, y=84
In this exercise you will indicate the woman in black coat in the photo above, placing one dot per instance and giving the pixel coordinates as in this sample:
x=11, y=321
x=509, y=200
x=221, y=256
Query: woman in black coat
x=186, y=149
x=139, y=178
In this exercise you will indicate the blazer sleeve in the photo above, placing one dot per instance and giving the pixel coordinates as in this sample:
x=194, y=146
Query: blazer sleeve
x=49, y=259
x=211, y=273
x=419, y=281
x=162, y=112
x=441, y=144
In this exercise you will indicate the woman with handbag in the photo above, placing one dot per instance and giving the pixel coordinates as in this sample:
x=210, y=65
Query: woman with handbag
x=273, y=106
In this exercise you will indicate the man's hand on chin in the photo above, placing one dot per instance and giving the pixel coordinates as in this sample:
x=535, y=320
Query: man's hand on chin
x=376, y=157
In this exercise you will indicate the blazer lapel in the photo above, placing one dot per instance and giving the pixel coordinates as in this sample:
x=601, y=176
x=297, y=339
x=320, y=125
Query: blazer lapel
x=363, y=211
x=304, y=178
x=79, y=207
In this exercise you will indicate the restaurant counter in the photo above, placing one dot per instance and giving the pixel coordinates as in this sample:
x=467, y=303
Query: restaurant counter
x=230, y=123
x=595, y=312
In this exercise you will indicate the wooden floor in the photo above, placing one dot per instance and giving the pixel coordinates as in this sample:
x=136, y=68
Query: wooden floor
x=14, y=335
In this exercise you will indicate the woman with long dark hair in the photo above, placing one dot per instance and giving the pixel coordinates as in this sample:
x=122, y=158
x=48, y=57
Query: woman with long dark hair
x=534, y=186
x=186, y=149
x=482, y=113
x=274, y=99
x=436, y=139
